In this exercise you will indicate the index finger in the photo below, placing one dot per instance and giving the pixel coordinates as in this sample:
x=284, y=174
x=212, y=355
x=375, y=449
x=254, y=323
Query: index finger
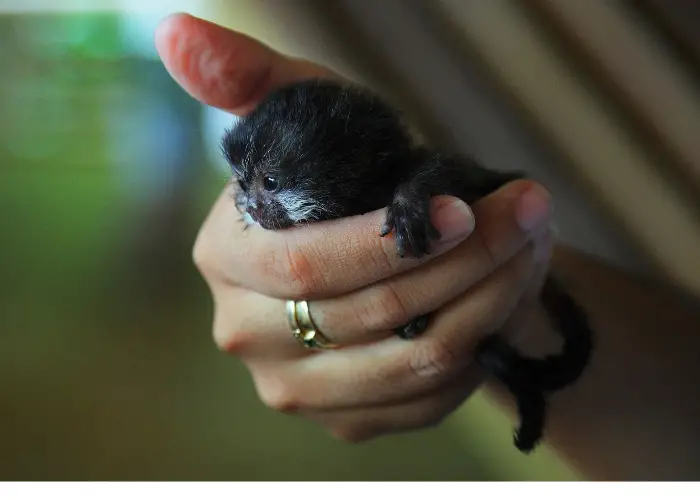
x=225, y=69
x=317, y=260
x=330, y=258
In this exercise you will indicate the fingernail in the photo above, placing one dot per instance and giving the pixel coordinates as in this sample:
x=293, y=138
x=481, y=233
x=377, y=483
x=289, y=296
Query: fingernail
x=533, y=209
x=453, y=219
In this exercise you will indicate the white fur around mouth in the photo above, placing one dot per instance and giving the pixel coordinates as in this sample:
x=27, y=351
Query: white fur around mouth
x=299, y=205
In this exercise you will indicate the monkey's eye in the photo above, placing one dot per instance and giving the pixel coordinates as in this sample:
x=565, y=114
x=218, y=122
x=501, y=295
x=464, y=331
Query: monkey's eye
x=242, y=184
x=270, y=183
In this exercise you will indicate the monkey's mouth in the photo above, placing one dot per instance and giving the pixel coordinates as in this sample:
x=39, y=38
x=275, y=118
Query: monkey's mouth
x=256, y=214
x=260, y=218
x=266, y=215
x=264, y=219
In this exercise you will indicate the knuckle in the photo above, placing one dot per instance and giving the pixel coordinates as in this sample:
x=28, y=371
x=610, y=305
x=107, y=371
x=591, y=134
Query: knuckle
x=229, y=337
x=207, y=261
x=385, y=256
x=302, y=274
x=433, y=359
x=234, y=342
x=201, y=254
x=300, y=277
x=277, y=395
x=388, y=309
x=486, y=244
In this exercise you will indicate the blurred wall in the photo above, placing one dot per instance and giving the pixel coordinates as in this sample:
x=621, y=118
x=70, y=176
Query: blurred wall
x=107, y=369
x=600, y=102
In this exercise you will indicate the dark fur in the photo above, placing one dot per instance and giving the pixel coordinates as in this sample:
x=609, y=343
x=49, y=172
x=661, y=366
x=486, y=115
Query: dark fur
x=345, y=148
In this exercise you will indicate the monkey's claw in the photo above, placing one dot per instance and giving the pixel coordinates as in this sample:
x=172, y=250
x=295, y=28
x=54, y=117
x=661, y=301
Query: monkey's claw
x=409, y=218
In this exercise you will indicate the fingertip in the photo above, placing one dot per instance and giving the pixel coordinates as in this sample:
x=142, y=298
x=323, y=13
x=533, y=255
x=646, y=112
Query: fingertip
x=224, y=68
x=533, y=208
x=166, y=28
x=169, y=38
x=216, y=65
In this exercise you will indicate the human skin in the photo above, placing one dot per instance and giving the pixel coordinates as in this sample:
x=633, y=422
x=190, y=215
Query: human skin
x=484, y=274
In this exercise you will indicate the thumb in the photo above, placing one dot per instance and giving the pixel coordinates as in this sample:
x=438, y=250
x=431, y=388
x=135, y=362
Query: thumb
x=223, y=68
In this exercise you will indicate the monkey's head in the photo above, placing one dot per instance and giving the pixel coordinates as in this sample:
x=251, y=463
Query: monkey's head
x=315, y=150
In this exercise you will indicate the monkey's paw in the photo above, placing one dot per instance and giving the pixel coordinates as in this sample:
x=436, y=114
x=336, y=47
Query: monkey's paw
x=409, y=217
x=413, y=328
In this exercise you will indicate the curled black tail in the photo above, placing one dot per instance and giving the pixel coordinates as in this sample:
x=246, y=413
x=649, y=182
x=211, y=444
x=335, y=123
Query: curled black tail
x=557, y=371
x=528, y=379
x=505, y=363
x=531, y=403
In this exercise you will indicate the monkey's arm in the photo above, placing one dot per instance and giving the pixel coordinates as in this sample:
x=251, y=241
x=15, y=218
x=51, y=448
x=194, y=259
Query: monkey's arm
x=432, y=174
x=635, y=412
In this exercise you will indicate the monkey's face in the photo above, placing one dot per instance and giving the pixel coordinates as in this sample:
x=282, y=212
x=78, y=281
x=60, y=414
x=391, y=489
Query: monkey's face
x=270, y=201
x=314, y=151
x=276, y=197
x=281, y=180
x=257, y=197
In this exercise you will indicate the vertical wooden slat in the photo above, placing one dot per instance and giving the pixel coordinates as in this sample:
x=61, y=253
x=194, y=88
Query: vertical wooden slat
x=578, y=123
x=461, y=110
x=677, y=21
x=646, y=76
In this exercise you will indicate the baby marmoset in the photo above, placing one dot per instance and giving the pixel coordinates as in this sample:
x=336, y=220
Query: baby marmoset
x=319, y=150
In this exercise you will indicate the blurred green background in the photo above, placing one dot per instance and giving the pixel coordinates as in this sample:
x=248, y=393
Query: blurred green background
x=107, y=367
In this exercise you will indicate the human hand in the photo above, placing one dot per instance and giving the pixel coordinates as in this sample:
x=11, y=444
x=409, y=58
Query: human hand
x=477, y=278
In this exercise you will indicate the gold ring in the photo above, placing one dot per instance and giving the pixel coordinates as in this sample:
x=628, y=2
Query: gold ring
x=303, y=327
